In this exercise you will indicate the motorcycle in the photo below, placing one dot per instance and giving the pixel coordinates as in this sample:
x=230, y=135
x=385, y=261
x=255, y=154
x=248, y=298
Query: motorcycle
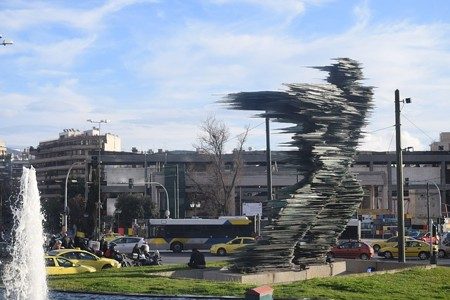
x=124, y=260
x=147, y=259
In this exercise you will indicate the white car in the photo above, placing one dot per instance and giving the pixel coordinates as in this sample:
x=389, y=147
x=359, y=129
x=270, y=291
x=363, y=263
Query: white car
x=126, y=244
x=444, y=248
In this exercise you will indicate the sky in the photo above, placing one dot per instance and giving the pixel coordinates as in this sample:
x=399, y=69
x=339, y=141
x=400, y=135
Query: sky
x=156, y=69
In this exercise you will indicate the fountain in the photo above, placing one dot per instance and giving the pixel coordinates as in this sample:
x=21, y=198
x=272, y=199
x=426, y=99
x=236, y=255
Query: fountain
x=25, y=276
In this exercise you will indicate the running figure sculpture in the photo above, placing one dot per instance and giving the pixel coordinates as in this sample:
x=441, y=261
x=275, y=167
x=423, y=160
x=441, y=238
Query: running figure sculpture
x=327, y=119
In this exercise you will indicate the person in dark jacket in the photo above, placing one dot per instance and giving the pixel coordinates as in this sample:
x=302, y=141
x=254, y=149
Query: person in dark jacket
x=136, y=251
x=197, y=260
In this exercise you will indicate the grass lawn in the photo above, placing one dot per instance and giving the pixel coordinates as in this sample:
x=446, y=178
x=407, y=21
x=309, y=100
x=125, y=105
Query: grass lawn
x=416, y=283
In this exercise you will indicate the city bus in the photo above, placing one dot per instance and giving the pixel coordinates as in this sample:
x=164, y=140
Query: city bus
x=185, y=234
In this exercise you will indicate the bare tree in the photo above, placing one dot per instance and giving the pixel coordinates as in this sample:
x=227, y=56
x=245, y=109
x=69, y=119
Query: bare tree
x=216, y=190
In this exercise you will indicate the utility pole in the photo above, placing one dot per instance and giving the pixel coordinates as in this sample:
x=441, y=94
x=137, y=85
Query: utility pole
x=268, y=161
x=99, y=202
x=400, y=200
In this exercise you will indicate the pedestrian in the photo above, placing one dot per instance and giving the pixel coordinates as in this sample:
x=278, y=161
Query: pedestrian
x=57, y=245
x=52, y=242
x=136, y=251
x=197, y=260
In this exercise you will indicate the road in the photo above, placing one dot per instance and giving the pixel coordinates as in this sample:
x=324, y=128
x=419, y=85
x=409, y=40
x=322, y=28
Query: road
x=169, y=257
x=178, y=258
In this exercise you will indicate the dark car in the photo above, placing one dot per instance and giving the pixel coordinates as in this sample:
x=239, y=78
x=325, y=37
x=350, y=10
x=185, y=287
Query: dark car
x=352, y=249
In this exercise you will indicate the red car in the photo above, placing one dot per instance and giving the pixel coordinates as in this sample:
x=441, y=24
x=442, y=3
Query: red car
x=426, y=238
x=352, y=249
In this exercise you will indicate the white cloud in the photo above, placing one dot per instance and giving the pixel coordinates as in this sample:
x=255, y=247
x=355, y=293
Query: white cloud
x=191, y=64
x=61, y=54
x=290, y=7
x=362, y=13
x=40, y=13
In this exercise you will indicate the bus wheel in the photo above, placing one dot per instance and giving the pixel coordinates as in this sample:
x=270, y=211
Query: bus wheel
x=221, y=252
x=177, y=247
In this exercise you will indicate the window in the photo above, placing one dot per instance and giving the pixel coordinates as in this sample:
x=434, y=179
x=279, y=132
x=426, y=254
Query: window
x=235, y=242
x=248, y=241
x=345, y=245
x=49, y=262
x=132, y=240
x=70, y=255
x=64, y=262
x=86, y=256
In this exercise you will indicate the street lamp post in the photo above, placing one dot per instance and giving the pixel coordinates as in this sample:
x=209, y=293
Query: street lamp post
x=99, y=202
x=167, y=212
x=66, y=210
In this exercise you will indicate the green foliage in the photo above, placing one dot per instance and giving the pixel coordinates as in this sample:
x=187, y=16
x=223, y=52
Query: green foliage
x=52, y=210
x=77, y=208
x=134, y=207
x=411, y=284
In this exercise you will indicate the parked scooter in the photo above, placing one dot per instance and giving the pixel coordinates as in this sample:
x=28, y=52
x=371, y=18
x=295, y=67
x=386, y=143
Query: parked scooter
x=145, y=258
x=124, y=260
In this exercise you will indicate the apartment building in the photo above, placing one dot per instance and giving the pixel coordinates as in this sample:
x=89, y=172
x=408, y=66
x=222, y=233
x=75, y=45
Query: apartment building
x=2, y=148
x=54, y=158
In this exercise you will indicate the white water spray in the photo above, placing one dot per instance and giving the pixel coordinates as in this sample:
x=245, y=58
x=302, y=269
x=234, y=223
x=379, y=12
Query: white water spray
x=25, y=276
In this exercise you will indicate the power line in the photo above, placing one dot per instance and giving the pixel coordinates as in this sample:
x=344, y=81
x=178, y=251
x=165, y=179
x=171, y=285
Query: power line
x=381, y=129
x=418, y=127
x=250, y=129
x=392, y=137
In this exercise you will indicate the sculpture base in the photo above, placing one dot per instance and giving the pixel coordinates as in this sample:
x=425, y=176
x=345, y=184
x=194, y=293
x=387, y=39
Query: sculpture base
x=351, y=266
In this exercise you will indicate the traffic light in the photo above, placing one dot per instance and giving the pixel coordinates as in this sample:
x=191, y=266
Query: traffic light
x=61, y=219
x=434, y=230
x=130, y=183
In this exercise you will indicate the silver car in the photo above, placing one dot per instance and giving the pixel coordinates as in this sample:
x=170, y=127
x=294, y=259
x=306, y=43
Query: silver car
x=126, y=244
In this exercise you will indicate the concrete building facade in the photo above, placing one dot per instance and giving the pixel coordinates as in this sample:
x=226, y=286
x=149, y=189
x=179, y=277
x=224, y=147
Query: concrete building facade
x=443, y=144
x=54, y=158
x=375, y=170
x=2, y=148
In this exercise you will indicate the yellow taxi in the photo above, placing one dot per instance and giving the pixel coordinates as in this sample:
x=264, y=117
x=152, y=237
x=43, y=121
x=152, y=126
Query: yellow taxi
x=61, y=266
x=232, y=246
x=377, y=245
x=86, y=258
x=414, y=248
